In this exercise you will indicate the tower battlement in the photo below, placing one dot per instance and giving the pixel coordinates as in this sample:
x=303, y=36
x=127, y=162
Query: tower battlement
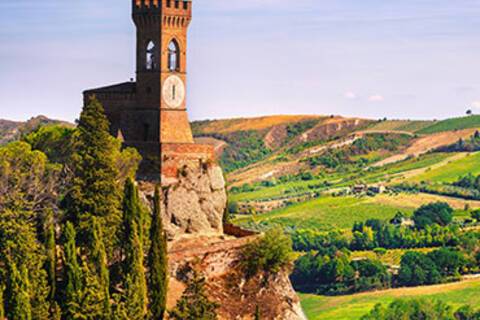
x=167, y=7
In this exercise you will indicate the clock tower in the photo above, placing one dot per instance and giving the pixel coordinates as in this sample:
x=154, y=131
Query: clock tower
x=162, y=64
x=151, y=113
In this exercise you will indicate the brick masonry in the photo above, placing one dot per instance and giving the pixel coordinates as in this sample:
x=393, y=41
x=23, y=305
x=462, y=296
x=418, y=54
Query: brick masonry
x=138, y=112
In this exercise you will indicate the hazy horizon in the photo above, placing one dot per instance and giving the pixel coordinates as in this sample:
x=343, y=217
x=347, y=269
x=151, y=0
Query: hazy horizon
x=408, y=60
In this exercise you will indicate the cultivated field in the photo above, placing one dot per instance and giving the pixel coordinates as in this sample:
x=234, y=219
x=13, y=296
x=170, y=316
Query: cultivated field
x=353, y=307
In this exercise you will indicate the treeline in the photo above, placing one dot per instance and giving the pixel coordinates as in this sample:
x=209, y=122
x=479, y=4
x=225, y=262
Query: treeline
x=470, y=145
x=421, y=309
x=430, y=226
x=334, y=272
x=327, y=267
x=466, y=187
x=75, y=240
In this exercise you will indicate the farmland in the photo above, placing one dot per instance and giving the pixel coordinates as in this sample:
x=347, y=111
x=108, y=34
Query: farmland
x=352, y=307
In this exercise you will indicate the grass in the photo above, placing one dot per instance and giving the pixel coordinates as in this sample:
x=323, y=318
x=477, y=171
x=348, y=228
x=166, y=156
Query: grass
x=453, y=124
x=451, y=171
x=353, y=307
x=401, y=125
x=328, y=212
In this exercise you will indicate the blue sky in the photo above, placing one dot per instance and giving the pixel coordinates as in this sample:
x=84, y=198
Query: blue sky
x=369, y=58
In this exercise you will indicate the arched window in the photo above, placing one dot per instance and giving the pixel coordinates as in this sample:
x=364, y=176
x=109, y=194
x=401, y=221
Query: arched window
x=173, y=56
x=151, y=60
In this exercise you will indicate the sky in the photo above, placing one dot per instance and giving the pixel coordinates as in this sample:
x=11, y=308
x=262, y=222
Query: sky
x=409, y=59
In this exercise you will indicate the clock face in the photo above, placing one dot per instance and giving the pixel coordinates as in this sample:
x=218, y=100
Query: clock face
x=173, y=92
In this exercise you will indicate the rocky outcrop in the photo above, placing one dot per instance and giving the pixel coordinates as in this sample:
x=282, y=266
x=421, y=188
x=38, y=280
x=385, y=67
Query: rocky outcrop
x=237, y=296
x=193, y=203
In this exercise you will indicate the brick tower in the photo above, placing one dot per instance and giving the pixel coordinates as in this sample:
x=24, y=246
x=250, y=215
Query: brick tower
x=150, y=114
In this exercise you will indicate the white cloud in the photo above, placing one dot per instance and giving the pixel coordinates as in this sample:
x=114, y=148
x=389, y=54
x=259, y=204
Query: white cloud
x=376, y=98
x=350, y=95
x=476, y=104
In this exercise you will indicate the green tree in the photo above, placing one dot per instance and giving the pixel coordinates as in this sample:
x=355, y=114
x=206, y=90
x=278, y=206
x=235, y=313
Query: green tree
x=411, y=309
x=158, y=263
x=435, y=213
x=270, y=253
x=51, y=261
x=94, y=190
x=257, y=313
x=18, y=293
x=135, y=282
x=132, y=213
x=467, y=313
x=73, y=272
x=417, y=269
x=194, y=303
x=476, y=215
x=99, y=258
x=2, y=304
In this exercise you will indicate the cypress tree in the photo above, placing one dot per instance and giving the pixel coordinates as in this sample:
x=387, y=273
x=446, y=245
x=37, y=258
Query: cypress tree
x=158, y=263
x=257, y=313
x=51, y=262
x=73, y=272
x=19, y=305
x=99, y=258
x=2, y=304
x=94, y=190
x=132, y=212
x=135, y=283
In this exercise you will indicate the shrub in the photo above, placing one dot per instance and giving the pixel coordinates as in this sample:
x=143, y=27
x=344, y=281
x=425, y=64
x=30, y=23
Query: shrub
x=435, y=213
x=271, y=253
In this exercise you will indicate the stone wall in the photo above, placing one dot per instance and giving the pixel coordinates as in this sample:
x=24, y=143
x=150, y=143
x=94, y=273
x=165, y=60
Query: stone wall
x=194, y=201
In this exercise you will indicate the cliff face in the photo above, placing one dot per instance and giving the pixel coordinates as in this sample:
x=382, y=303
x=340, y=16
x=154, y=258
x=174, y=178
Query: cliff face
x=192, y=205
x=194, y=202
x=218, y=259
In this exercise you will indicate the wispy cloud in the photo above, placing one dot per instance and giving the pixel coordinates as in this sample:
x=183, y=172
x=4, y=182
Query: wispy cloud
x=376, y=98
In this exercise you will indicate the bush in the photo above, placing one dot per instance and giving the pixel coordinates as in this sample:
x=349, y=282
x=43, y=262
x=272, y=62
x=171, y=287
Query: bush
x=411, y=309
x=435, y=213
x=271, y=253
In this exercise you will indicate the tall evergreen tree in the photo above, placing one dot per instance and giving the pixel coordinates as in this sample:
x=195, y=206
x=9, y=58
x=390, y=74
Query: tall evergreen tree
x=257, y=313
x=18, y=291
x=94, y=190
x=135, y=282
x=158, y=263
x=132, y=211
x=2, y=304
x=99, y=258
x=73, y=272
x=51, y=261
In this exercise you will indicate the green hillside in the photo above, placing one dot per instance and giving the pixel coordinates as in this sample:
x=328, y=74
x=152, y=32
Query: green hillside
x=453, y=124
x=353, y=307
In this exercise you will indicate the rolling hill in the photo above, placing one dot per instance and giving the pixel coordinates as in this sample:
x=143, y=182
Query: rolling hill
x=13, y=130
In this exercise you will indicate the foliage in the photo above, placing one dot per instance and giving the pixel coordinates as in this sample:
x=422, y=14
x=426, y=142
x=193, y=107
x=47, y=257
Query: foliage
x=28, y=182
x=271, y=253
x=435, y=213
x=54, y=141
x=411, y=309
x=133, y=269
x=244, y=148
x=336, y=274
x=452, y=124
x=158, y=263
x=94, y=191
x=194, y=303
x=418, y=269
